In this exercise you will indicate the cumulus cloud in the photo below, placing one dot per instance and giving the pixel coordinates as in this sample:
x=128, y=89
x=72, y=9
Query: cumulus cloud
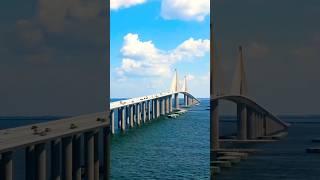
x=190, y=77
x=118, y=4
x=143, y=58
x=185, y=9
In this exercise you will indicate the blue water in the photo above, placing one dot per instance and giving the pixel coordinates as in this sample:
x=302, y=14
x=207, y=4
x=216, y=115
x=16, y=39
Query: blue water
x=179, y=149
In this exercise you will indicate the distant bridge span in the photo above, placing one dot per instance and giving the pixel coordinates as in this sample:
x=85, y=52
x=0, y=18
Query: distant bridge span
x=252, y=105
x=253, y=120
x=132, y=101
x=136, y=111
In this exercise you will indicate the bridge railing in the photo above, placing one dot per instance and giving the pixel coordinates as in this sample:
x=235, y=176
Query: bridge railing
x=61, y=149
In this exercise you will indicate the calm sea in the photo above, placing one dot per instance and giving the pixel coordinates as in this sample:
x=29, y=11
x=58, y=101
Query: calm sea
x=179, y=149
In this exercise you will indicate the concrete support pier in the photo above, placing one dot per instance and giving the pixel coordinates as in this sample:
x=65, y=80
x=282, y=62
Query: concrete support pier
x=123, y=119
x=185, y=100
x=89, y=156
x=67, y=158
x=149, y=110
x=153, y=109
x=55, y=160
x=112, y=121
x=162, y=106
x=41, y=161
x=7, y=166
x=242, y=121
x=170, y=103
x=106, y=154
x=96, y=155
x=127, y=116
x=30, y=163
x=250, y=124
x=131, y=116
x=214, y=126
x=143, y=109
x=158, y=107
x=176, y=99
x=76, y=157
x=138, y=114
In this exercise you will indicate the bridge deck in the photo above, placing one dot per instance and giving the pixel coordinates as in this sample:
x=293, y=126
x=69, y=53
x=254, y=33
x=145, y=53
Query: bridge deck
x=252, y=104
x=19, y=137
x=118, y=104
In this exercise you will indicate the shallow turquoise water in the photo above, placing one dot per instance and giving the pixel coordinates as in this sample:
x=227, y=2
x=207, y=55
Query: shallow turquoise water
x=165, y=148
x=179, y=149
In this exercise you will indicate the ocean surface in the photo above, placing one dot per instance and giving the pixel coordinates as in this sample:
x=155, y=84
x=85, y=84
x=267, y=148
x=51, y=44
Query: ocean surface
x=179, y=149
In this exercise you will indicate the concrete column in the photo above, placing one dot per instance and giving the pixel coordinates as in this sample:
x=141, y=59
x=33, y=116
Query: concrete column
x=67, y=158
x=154, y=115
x=185, y=100
x=149, y=110
x=55, y=160
x=160, y=104
x=250, y=124
x=41, y=161
x=167, y=105
x=89, y=156
x=256, y=125
x=144, y=111
x=176, y=98
x=170, y=103
x=106, y=154
x=112, y=121
x=135, y=115
x=7, y=165
x=139, y=113
x=131, y=116
x=30, y=163
x=158, y=107
x=264, y=120
x=254, y=128
x=123, y=119
x=96, y=156
x=163, y=106
x=119, y=118
x=214, y=126
x=76, y=157
x=242, y=121
x=259, y=124
x=127, y=115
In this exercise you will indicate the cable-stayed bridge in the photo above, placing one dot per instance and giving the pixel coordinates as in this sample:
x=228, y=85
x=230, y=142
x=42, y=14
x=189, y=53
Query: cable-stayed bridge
x=254, y=122
x=136, y=111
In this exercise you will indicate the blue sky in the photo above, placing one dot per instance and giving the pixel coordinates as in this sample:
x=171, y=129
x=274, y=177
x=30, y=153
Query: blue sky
x=149, y=39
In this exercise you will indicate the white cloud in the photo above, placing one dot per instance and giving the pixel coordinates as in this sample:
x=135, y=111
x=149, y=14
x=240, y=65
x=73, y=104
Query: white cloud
x=143, y=58
x=190, y=77
x=118, y=4
x=185, y=9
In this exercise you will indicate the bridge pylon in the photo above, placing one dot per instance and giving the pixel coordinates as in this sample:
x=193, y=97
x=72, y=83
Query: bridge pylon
x=239, y=83
x=175, y=82
x=185, y=89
